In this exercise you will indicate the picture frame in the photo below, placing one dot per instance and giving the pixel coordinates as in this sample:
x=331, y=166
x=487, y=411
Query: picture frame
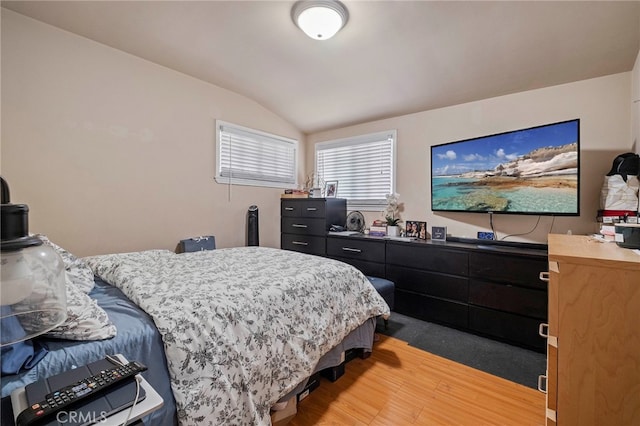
x=331, y=189
x=439, y=233
x=416, y=229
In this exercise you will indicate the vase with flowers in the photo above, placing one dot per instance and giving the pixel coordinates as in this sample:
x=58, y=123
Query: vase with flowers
x=392, y=214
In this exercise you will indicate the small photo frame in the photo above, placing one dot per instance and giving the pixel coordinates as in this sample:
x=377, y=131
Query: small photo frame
x=416, y=229
x=331, y=189
x=439, y=233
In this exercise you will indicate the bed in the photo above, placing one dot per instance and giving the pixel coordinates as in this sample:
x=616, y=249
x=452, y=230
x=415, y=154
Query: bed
x=241, y=328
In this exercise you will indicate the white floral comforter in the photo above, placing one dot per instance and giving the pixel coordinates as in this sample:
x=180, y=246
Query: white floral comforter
x=241, y=326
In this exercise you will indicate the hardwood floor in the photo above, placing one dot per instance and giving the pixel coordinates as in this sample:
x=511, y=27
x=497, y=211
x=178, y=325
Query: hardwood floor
x=402, y=385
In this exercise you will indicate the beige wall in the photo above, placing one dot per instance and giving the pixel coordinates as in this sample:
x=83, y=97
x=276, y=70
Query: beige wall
x=114, y=153
x=602, y=104
x=635, y=104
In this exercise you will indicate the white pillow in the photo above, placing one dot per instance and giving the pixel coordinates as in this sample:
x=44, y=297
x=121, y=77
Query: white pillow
x=78, y=273
x=85, y=319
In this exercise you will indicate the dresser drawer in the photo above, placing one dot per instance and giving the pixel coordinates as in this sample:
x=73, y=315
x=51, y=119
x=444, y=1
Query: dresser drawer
x=520, y=270
x=303, y=243
x=303, y=208
x=303, y=226
x=429, y=283
x=431, y=309
x=509, y=298
x=506, y=326
x=371, y=251
x=423, y=256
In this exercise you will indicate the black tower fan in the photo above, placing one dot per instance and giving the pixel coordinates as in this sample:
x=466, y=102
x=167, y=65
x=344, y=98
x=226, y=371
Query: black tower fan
x=253, y=238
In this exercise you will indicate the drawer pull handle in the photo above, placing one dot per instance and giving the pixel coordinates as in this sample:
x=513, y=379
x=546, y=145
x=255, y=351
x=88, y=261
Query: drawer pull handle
x=544, y=276
x=299, y=243
x=351, y=250
x=543, y=330
x=311, y=209
x=542, y=378
x=289, y=209
x=297, y=225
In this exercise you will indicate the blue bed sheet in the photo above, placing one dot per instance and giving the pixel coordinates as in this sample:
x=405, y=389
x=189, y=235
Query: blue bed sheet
x=137, y=339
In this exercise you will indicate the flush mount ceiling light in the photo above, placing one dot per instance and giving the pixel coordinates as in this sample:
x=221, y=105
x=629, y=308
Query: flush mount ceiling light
x=319, y=19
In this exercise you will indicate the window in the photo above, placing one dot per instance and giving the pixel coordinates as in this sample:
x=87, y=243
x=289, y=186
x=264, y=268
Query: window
x=364, y=167
x=251, y=157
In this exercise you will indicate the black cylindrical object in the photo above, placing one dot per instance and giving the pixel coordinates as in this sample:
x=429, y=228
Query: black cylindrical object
x=253, y=235
x=14, y=223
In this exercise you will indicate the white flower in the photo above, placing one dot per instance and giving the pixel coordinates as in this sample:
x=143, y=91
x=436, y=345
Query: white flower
x=392, y=210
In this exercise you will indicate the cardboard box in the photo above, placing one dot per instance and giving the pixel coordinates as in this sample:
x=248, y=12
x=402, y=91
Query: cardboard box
x=312, y=384
x=284, y=416
x=333, y=373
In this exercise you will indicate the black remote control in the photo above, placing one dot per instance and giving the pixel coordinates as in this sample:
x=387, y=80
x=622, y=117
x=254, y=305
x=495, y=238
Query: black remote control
x=56, y=401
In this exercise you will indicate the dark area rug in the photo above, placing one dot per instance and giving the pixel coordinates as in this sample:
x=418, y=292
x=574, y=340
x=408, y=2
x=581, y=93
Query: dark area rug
x=500, y=359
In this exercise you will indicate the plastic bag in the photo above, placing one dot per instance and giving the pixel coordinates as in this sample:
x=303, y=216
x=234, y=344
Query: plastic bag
x=617, y=194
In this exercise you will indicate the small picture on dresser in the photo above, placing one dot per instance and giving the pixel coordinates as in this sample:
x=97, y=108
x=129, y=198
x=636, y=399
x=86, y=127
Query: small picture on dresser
x=416, y=229
x=439, y=233
x=331, y=189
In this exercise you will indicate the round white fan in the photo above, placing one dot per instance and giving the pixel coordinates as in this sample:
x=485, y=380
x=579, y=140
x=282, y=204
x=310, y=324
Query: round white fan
x=355, y=221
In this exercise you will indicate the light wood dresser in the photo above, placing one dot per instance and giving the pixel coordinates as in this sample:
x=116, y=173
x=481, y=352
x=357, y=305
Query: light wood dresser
x=593, y=345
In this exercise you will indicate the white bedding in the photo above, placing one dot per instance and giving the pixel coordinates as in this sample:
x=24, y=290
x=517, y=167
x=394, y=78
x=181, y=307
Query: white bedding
x=241, y=326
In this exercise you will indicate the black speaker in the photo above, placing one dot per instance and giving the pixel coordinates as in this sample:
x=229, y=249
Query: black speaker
x=253, y=236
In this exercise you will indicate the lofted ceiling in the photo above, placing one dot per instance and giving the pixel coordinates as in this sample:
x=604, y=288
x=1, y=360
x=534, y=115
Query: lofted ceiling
x=392, y=58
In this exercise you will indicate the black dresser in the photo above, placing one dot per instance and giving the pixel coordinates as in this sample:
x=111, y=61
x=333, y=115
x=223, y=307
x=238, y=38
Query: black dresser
x=305, y=222
x=489, y=290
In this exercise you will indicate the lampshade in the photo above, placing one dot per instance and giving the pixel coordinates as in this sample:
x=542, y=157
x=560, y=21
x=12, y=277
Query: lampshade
x=319, y=19
x=32, y=280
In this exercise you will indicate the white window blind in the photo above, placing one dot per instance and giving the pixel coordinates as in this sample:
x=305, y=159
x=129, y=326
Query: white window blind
x=364, y=167
x=251, y=157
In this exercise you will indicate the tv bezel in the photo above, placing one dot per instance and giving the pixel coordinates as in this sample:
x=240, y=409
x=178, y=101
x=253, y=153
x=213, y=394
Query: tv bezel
x=532, y=213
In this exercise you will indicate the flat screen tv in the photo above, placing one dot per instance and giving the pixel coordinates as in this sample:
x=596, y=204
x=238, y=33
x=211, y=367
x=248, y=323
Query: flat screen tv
x=532, y=171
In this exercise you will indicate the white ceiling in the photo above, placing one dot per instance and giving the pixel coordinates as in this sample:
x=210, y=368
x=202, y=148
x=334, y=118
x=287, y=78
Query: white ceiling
x=392, y=58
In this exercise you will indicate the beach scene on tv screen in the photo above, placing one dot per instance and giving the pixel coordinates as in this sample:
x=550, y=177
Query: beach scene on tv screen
x=526, y=171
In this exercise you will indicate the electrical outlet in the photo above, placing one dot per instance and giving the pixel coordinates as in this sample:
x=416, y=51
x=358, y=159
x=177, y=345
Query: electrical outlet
x=485, y=235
